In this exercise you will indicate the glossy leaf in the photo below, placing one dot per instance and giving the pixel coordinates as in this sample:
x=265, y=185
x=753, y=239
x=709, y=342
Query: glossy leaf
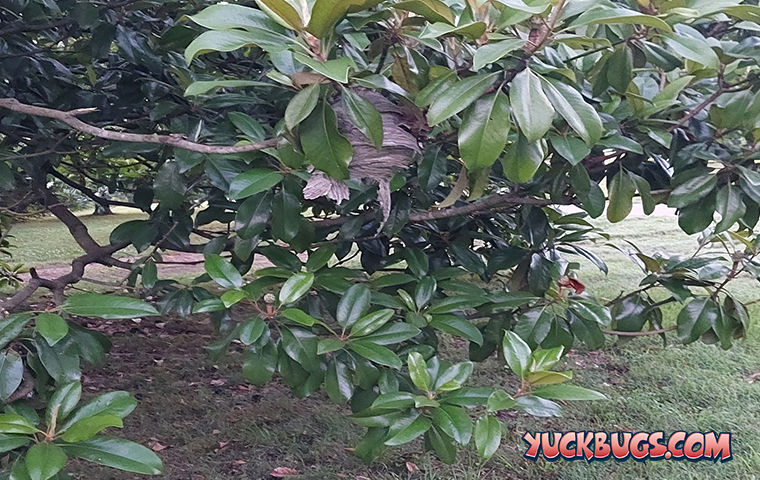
x=295, y=287
x=487, y=436
x=459, y=96
x=531, y=107
x=484, y=130
x=116, y=453
x=106, y=306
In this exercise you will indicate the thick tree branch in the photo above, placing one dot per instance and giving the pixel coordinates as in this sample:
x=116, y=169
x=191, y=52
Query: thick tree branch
x=70, y=118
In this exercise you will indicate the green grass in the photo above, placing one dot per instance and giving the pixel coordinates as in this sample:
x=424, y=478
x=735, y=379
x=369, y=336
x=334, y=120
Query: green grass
x=229, y=430
x=46, y=241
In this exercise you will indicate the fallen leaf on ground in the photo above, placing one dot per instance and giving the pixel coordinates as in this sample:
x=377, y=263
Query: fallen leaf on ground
x=282, y=472
x=412, y=467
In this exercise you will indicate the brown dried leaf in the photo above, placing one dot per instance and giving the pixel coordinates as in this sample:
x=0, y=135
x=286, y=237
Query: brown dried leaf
x=282, y=472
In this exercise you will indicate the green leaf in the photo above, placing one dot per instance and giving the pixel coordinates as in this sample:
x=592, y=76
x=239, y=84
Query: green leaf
x=203, y=87
x=692, y=190
x=622, y=190
x=376, y=353
x=353, y=305
x=424, y=291
x=295, y=287
x=499, y=400
x=301, y=106
x=453, y=377
x=120, y=404
x=117, y=453
x=337, y=69
x=537, y=406
x=729, y=205
x=253, y=215
x=602, y=15
x=10, y=423
x=328, y=345
x=87, y=428
x=369, y=323
x=282, y=12
x=516, y=353
x=431, y=10
x=418, y=427
x=252, y=331
x=458, y=97
x=12, y=442
x=619, y=68
x=253, y=181
x=473, y=30
x=523, y=158
x=418, y=371
x=229, y=40
x=11, y=373
x=324, y=146
x=567, y=392
x=299, y=316
x=63, y=401
x=11, y=326
x=259, y=366
x=338, y=382
x=286, y=223
x=455, y=303
x=487, y=436
x=495, y=51
x=105, y=306
x=44, y=460
x=532, y=109
x=222, y=271
x=392, y=333
x=325, y=14
x=484, y=130
x=581, y=116
x=169, y=187
x=364, y=116
x=467, y=397
x=585, y=308
x=694, y=49
x=319, y=257
x=454, y=422
x=458, y=327
x=227, y=16
x=696, y=318
x=442, y=444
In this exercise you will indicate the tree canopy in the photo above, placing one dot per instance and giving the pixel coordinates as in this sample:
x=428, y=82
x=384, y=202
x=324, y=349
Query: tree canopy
x=368, y=177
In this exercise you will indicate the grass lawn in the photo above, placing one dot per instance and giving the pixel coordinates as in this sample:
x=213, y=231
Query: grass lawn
x=207, y=423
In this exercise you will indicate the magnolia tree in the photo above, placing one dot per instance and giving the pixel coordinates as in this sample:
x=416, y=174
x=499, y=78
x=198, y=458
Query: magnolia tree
x=366, y=179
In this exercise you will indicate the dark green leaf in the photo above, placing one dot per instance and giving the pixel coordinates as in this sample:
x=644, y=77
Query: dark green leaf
x=44, y=460
x=117, y=453
x=532, y=109
x=106, y=306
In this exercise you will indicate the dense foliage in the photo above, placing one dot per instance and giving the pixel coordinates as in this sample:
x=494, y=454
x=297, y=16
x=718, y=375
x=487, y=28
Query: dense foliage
x=396, y=178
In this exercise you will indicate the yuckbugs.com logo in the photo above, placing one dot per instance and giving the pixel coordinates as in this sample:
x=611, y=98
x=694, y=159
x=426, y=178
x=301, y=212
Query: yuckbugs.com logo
x=640, y=446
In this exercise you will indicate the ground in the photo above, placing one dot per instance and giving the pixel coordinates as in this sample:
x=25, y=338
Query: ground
x=207, y=423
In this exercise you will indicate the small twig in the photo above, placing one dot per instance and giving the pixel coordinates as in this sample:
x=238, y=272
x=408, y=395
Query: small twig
x=639, y=334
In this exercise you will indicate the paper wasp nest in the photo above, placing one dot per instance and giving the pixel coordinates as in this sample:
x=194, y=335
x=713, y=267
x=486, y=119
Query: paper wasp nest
x=370, y=164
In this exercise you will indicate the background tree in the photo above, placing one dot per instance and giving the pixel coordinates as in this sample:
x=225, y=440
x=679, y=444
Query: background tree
x=381, y=156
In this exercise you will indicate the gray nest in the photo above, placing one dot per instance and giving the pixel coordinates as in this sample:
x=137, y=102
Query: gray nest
x=377, y=166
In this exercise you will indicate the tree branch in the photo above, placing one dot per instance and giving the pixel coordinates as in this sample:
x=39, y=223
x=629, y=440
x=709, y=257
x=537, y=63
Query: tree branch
x=174, y=140
x=103, y=202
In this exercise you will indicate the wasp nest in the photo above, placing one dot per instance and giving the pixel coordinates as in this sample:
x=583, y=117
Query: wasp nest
x=369, y=163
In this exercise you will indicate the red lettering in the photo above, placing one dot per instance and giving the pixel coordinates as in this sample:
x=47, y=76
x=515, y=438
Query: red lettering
x=582, y=445
x=620, y=450
x=639, y=451
x=718, y=446
x=688, y=446
x=657, y=449
x=534, y=442
x=564, y=445
x=602, y=449
x=550, y=451
x=673, y=441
